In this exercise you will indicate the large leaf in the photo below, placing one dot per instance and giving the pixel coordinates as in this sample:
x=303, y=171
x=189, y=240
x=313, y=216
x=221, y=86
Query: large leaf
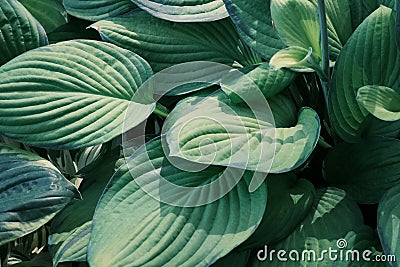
x=289, y=201
x=365, y=169
x=184, y=11
x=131, y=228
x=389, y=221
x=254, y=24
x=75, y=95
x=32, y=191
x=19, y=30
x=96, y=10
x=365, y=61
x=214, y=131
x=381, y=101
x=236, y=257
x=181, y=42
x=41, y=9
x=70, y=229
x=332, y=216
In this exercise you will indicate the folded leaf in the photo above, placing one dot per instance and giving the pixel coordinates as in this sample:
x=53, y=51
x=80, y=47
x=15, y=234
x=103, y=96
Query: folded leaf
x=96, y=10
x=181, y=11
x=381, y=101
x=296, y=58
x=75, y=95
x=181, y=42
x=32, y=191
x=132, y=228
x=19, y=30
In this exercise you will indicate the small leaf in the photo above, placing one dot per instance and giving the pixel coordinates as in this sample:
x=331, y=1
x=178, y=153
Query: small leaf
x=96, y=10
x=19, y=30
x=131, y=228
x=389, y=221
x=381, y=101
x=32, y=191
x=76, y=93
x=41, y=9
x=254, y=24
x=181, y=42
x=296, y=58
x=181, y=11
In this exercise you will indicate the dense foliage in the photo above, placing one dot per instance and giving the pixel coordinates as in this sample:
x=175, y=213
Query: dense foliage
x=198, y=132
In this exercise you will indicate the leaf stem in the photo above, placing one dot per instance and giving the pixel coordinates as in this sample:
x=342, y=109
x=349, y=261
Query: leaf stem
x=161, y=111
x=325, y=49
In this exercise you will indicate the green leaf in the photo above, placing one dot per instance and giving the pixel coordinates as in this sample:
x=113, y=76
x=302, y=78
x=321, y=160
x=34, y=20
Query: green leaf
x=185, y=11
x=289, y=201
x=41, y=9
x=76, y=93
x=96, y=10
x=297, y=59
x=254, y=24
x=212, y=130
x=267, y=79
x=19, y=30
x=131, y=228
x=181, y=42
x=365, y=61
x=389, y=221
x=70, y=229
x=32, y=191
x=331, y=217
x=237, y=258
x=365, y=169
x=284, y=111
x=381, y=101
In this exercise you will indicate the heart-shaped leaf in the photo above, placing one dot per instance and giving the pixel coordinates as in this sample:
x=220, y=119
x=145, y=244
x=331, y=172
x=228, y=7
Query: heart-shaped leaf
x=365, y=169
x=389, y=221
x=68, y=100
x=32, y=191
x=19, y=30
x=182, y=42
x=254, y=24
x=185, y=11
x=70, y=229
x=362, y=62
x=381, y=101
x=96, y=10
x=41, y=9
x=212, y=130
x=132, y=228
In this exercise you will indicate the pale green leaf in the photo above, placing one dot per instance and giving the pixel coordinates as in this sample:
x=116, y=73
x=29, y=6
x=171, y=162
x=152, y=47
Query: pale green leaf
x=370, y=57
x=184, y=11
x=75, y=95
x=381, y=101
x=181, y=42
x=32, y=191
x=131, y=228
x=296, y=58
x=19, y=30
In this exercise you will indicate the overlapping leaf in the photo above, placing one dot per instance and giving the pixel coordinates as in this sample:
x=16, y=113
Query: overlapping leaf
x=96, y=10
x=214, y=131
x=185, y=11
x=180, y=42
x=254, y=24
x=75, y=94
x=32, y=191
x=41, y=9
x=19, y=30
x=365, y=61
x=131, y=228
